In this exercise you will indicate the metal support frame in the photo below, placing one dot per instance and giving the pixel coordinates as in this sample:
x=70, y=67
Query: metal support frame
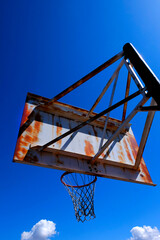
x=93, y=118
x=145, y=134
x=107, y=86
x=87, y=77
x=134, y=75
x=110, y=104
x=152, y=85
x=126, y=95
x=112, y=138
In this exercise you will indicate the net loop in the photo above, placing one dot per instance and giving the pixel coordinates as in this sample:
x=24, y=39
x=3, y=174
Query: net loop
x=81, y=188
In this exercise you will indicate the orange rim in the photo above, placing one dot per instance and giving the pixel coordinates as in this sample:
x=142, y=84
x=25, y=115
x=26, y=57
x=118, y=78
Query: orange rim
x=68, y=185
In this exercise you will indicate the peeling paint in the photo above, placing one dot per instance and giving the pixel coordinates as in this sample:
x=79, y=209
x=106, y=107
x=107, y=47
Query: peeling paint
x=146, y=176
x=59, y=132
x=29, y=137
x=89, y=149
x=28, y=108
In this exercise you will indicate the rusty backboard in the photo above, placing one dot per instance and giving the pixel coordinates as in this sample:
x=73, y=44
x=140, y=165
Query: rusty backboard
x=41, y=123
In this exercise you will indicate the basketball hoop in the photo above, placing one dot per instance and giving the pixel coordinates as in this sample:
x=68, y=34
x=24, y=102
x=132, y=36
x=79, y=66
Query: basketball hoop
x=81, y=189
x=47, y=133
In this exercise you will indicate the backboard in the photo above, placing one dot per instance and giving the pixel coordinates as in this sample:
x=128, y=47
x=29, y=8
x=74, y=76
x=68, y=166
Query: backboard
x=42, y=123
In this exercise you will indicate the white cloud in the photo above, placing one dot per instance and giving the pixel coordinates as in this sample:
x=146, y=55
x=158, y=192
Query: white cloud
x=145, y=233
x=42, y=230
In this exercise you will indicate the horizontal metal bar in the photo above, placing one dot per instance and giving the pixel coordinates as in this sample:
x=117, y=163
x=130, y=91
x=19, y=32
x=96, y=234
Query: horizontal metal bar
x=148, y=77
x=87, y=77
x=92, y=119
x=131, y=115
x=60, y=161
x=149, y=108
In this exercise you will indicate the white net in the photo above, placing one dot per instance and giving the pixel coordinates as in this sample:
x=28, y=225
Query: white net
x=81, y=188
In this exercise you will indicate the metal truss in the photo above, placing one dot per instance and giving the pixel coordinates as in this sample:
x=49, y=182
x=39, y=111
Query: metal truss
x=150, y=88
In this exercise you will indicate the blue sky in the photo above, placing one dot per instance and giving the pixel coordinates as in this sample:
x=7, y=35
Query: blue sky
x=45, y=46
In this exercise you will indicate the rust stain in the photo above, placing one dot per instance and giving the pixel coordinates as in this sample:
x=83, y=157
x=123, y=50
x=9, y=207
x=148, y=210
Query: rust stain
x=89, y=149
x=127, y=150
x=121, y=157
x=37, y=128
x=146, y=177
x=29, y=137
x=103, y=155
x=59, y=132
x=21, y=149
x=30, y=130
x=121, y=160
x=27, y=111
x=133, y=144
x=33, y=130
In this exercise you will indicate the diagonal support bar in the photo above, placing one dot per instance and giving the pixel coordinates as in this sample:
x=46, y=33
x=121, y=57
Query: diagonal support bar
x=134, y=75
x=145, y=134
x=87, y=77
x=92, y=119
x=107, y=86
x=107, y=117
x=126, y=95
x=117, y=132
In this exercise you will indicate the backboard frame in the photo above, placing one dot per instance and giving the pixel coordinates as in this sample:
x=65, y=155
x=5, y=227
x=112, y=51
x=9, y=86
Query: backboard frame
x=34, y=126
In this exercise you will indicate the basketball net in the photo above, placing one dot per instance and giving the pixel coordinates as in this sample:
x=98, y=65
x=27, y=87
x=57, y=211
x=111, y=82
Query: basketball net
x=81, y=188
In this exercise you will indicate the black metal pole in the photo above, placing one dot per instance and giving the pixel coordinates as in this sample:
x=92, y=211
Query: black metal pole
x=148, y=77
